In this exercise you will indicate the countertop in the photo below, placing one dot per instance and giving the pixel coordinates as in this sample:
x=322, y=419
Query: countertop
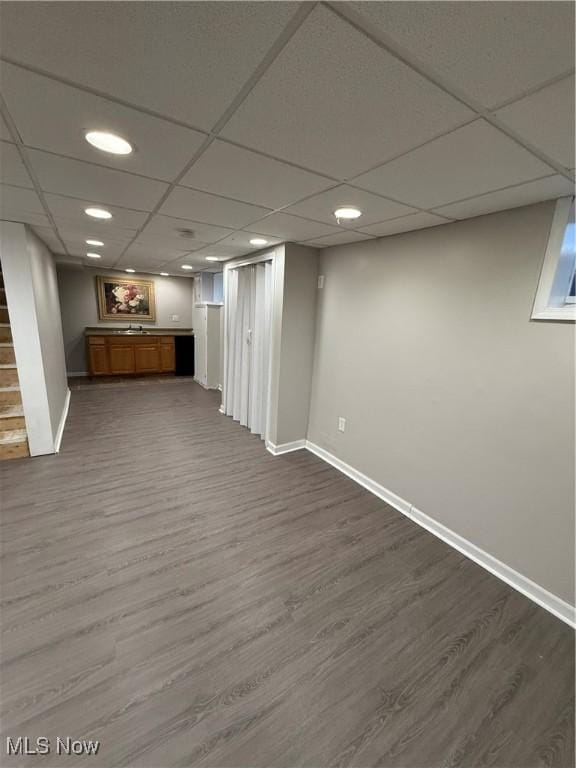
x=121, y=331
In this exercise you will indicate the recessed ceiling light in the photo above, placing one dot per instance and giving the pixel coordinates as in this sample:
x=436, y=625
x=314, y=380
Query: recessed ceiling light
x=129, y=269
x=187, y=266
x=212, y=258
x=98, y=213
x=93, y=255
x=348, y=212
x=258, y=241
x=96, y=243
x=109, y=142
x=164, y=274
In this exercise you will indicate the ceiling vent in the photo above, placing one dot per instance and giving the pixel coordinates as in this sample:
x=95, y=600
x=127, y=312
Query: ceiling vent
x=186, y=233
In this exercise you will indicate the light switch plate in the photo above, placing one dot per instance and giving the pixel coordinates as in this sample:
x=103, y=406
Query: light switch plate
x=341, y=424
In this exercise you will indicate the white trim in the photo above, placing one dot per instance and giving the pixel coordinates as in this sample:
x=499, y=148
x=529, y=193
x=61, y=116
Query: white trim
x=544, y=302
x=555, y=605
x=205, y=386
x=278, y=450
x=567, y=313
x=371, y=485
x=72, y=374
x=62, y=424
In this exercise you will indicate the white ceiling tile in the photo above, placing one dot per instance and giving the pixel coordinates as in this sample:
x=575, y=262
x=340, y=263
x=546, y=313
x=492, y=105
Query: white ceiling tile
x=321, y=207
x=114, y=239
x=106, y=262
x=48, y=237
x=189, y=204
x=493, y=51
x=108, y=187
x=474, y=159
x=196, y=260
x=69, y=213
x=179, y=243
x=241, y=241
x=342, y=238
x=525, y=194
x=184, y=60
x=405, y=224
x=147, y=268
x=5, y=134
x=223, y=252
x=37, y=103
x=287, y=227
x=12, y=169
x=235, y=172
x=546, y=120
x=145, y=252
x=18, y=204
x=335, y=102
x=78, y=247
x=169, y=227
x=26, y=217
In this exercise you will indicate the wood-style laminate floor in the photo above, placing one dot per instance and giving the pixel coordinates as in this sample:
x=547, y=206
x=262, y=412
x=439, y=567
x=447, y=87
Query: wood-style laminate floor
x=175, y=592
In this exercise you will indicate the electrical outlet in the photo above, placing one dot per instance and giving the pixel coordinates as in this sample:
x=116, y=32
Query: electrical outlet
x=320, y=282
x=341, y=424
x=175, y=318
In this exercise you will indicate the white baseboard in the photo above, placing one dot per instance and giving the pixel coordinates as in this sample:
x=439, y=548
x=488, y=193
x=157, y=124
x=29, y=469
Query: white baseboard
x=558, y=607
x=371, y=485
x=72, y=374
x=62, y=424
x=205, y=386
x=278, y=450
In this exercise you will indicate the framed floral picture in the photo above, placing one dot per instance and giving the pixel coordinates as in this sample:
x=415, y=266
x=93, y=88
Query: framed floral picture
x=120, y=299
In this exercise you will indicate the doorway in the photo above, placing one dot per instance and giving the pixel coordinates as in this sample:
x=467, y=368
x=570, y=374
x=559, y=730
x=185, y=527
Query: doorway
x=248, y=337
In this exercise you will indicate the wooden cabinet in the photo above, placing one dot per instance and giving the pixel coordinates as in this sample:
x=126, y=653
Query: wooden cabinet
x=130, y=355
x=98, y=358
x=167, y=356
x=147, y=357
x=121, y=359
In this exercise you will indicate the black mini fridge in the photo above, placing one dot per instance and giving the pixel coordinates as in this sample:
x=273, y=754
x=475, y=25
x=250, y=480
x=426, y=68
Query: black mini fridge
x=184, y=349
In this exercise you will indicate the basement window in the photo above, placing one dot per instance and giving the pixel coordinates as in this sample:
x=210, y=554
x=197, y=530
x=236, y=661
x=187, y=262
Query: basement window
x=556, y=295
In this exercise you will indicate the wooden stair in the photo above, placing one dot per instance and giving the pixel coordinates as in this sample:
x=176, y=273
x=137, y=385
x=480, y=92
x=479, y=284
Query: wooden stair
x=13, y=436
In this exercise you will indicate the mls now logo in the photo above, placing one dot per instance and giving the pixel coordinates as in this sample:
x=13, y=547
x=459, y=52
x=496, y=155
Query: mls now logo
x=26, y=746
x=23, y=745
x=70, y=746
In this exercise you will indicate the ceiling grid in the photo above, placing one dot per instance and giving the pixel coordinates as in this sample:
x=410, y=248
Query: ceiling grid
x=269, y=164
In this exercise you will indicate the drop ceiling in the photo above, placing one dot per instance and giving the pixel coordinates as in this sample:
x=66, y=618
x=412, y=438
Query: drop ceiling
x=261, y=118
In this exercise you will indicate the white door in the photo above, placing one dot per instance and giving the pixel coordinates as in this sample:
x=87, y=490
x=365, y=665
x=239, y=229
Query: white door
x=249, y=314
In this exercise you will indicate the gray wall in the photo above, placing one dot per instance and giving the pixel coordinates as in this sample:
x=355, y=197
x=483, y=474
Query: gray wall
x=45, y=285
x=454, y=399
x=174, y=296
x=296, y=342
x=32, y=295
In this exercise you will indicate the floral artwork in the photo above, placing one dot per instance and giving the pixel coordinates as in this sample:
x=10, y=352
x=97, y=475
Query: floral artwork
x=120, y=299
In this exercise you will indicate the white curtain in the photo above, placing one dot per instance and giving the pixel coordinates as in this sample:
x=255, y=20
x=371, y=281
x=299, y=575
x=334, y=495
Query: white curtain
x=249, y=315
